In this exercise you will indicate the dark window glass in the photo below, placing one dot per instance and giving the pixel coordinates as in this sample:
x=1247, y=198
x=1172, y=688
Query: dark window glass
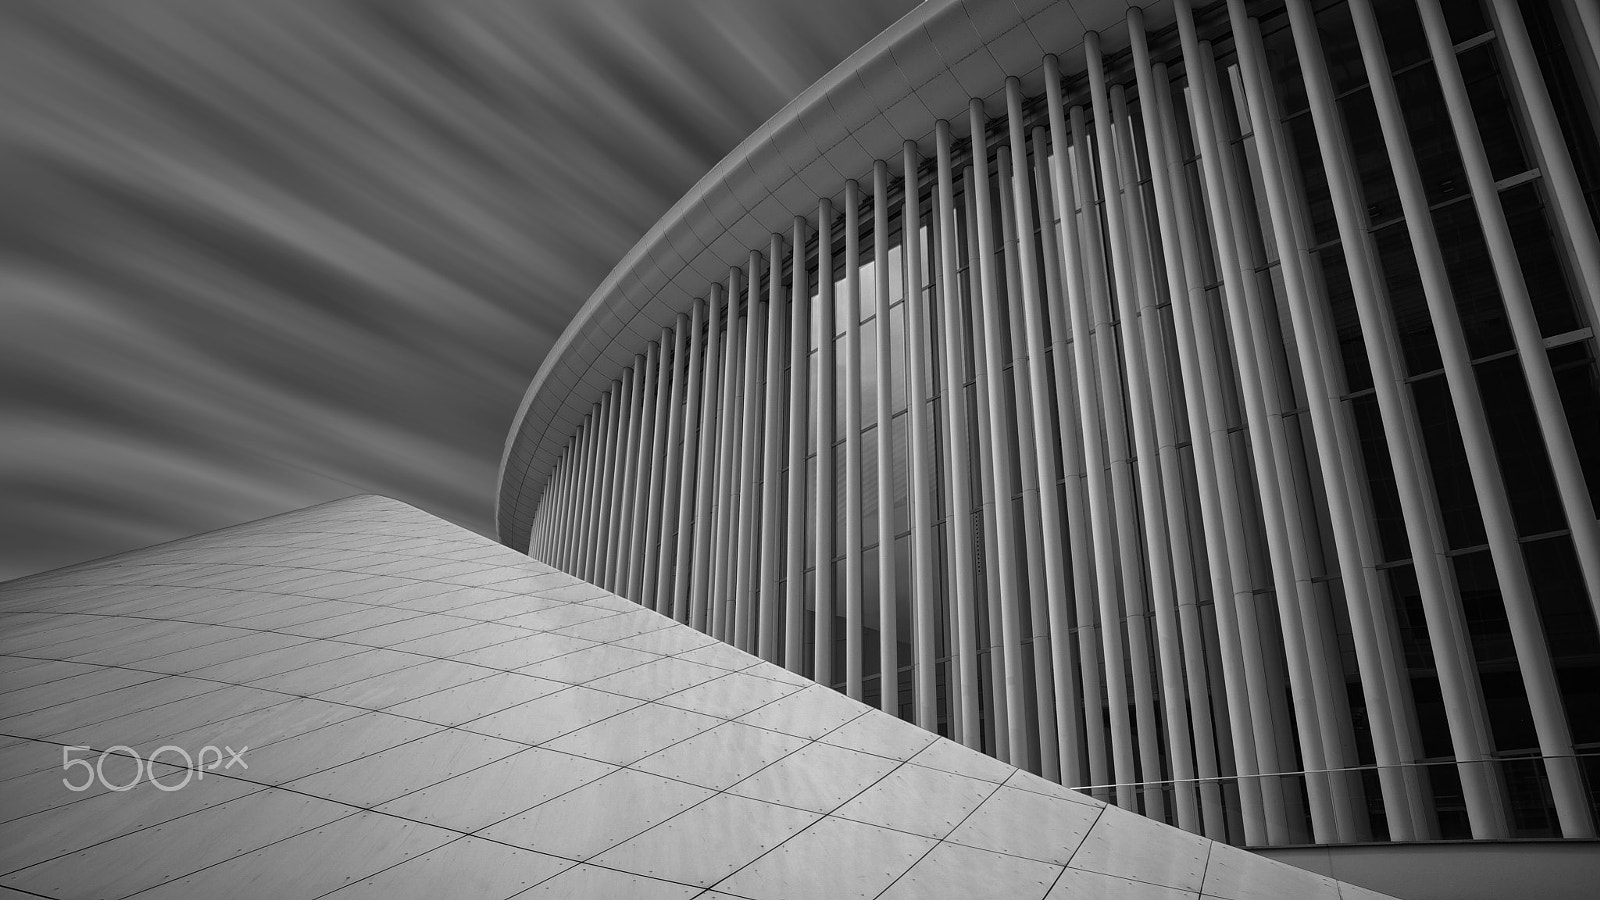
x=1406, y=300
x=1579, y=384
x=1433, y=141
x=1472, y=281
x=1314, y=181
x=1465, y=19
x=1485, y=611
x=1535, y=504
x=1541, y=263
x=1346, y=323
x=1340, y=48
x=1380, y=479
x=1558, y=588
x=1447, y=457
x=1283, y=66
x=1493, y=110
x=1371, y=159
x=1403, y=39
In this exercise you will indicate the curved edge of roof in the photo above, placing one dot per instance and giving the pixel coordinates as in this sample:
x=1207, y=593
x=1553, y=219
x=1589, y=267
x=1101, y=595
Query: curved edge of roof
x=923, y=68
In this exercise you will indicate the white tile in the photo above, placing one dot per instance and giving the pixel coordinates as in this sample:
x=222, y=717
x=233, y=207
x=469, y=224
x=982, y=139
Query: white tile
x=497, y=791
x=832, y=858
x=634, y=734
x=740, y=830
x=918, y=800
x=1022, y=823
x=1130, y=845
x=953, y=871
x=808, y=713
x=817, y=777
x=722, y=756
x=466, y=867
x=1234, y=874
x=551, y=716
x=599, y=815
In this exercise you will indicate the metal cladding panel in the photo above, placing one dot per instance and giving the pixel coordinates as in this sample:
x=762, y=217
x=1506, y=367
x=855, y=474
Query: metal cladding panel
x=428, y=712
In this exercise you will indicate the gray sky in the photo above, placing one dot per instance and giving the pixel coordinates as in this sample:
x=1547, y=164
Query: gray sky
x=257, y=255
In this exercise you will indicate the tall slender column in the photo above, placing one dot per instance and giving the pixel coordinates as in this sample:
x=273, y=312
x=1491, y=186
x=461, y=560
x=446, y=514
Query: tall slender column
x=603, y=489
x=682, y=577
x=671, y=461
x=641, y=489
x=958, y=490
x=920, y=453
x=597, y=478
x=651, y=589
x=1101, y=509
x=1137, y=310
x=995, y=701
x=574, y=465
x=772, y=444
x=1094, y=767
x=1452, y=652
x=727, y=459
x=888, y=626
x=748, y=530
x=1004, y=559
x=1527, y=632
x=705, y=482
x=1022, y=298
x=822, y=670
x=852, y=442
x=584, y=513
x=622, y=396
x=794, y=636
x=1249, y=715
x=623, y=527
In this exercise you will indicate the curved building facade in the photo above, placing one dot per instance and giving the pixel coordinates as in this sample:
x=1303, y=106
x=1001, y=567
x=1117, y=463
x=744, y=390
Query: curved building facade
x=1195, y=406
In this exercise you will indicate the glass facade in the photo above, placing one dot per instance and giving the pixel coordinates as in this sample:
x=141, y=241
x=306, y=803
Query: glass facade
x=1218, y=431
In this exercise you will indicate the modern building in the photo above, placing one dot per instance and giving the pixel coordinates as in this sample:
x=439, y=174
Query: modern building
x=1195, y=406
x=359, y=700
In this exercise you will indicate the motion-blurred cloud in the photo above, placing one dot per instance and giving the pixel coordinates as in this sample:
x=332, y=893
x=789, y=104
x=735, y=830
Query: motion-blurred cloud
x=257, y=255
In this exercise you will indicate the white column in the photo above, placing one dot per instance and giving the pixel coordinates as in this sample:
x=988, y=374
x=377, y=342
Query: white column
x=772, y=444
x=623, y=527
x=748, y=530
x=995, y=700
x=852, y=441
x=888, y=625
x=622, y=398
x=583, y=514
x=822, y=668
x=799, y=364
x=920, y=453
x=1094, y=767
x=1004, y=556
x=958, y=488
x=1040, y=591
x=705, y=482
x=727, y=458
x=605, y=487
x=672, y=463
x=1442, y=607
x=641, y=487
x=650, y=590
x=682, y=578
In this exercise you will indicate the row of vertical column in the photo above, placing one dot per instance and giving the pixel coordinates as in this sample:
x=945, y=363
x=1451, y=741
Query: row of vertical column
x=1143, y=551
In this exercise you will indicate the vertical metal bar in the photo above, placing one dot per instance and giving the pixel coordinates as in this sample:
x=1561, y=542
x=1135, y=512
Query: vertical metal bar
x=630, y=477
x=603, y=489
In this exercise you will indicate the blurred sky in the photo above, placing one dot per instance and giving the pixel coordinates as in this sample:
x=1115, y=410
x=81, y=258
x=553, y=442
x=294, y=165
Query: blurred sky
x=257, y=254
